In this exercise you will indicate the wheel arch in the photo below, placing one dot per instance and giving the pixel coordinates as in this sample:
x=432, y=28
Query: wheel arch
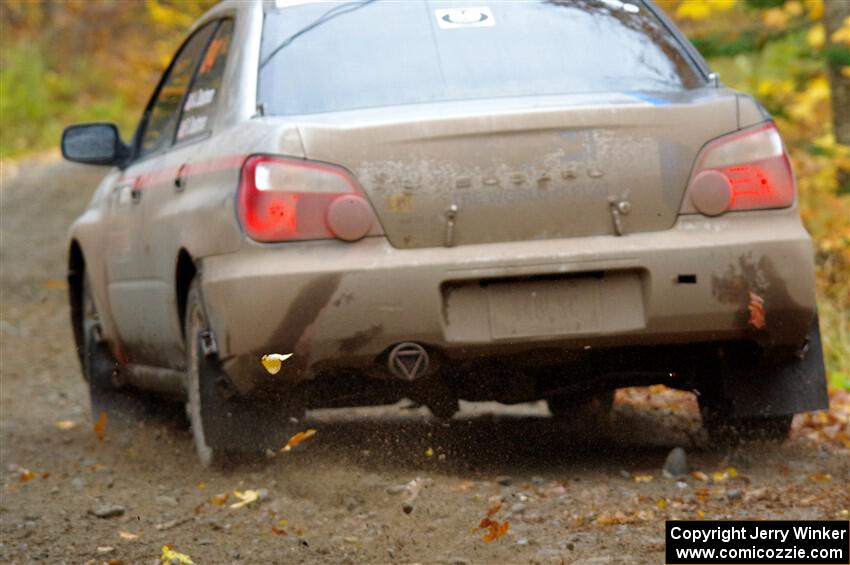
x=76, y=270
x=185, y=271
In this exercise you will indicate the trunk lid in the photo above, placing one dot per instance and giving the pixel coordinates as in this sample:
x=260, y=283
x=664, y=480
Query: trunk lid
x=523, y=169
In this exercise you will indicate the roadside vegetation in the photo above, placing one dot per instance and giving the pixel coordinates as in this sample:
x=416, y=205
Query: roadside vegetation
x=66, y=62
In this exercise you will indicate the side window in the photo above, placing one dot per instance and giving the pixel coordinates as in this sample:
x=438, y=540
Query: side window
x=206, y=88
x=165, y=111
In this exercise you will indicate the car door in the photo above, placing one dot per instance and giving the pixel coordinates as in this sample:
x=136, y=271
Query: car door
x=129, y=260
x=185, y=167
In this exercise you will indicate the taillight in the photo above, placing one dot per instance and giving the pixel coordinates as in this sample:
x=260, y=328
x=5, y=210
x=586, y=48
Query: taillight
x=282, y=199
x=746, y=170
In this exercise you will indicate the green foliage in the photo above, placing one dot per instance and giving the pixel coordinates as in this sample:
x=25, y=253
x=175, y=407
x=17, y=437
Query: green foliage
x=36, y=103
x=763, y=4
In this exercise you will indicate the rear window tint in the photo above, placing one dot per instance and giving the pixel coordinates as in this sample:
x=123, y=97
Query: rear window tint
x=391, y=53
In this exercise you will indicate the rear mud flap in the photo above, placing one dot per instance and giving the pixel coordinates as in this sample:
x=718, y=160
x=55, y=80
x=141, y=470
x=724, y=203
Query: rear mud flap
x=232, y=421
x=765, y=386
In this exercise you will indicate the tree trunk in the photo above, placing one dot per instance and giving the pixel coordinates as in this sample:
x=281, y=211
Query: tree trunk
x=835, y=17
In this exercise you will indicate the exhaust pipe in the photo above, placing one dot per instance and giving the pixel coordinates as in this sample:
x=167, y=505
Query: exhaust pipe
x=408, y=361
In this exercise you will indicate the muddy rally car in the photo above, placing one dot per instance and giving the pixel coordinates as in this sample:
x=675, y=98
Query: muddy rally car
x=504, y=201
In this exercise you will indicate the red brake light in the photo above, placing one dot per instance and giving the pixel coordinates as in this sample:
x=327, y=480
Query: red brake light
x=746, y=170
x=282, y=199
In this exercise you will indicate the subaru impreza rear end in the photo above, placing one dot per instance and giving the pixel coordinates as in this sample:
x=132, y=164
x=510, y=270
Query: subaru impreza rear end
x=436, y=195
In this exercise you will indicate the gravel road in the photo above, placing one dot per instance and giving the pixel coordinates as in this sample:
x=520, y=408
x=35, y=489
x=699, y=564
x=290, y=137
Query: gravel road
x=377, y=485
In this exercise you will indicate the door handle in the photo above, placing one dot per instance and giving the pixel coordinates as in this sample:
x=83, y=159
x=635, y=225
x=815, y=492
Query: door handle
x=180, y=179
x=136, y=191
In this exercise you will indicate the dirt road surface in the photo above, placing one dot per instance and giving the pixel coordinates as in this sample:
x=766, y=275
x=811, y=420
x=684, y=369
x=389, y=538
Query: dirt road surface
x=569, y=495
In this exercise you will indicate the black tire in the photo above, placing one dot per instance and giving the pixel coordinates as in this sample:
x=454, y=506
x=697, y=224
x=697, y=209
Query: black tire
x=593, y=410
x=723, y=428
x=443, y=407
x=99, y=365
x=200, y=389
x=725, y=431
x=225, y=425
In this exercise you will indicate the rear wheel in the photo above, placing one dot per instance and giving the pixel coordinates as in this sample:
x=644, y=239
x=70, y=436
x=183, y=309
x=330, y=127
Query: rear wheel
x=99, y=365
x=722, y=429
x=224, y=423
x=200, y=386
x=593, y=410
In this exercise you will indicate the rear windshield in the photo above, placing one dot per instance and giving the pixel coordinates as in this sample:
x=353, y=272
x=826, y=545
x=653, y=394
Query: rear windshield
x=325, y=57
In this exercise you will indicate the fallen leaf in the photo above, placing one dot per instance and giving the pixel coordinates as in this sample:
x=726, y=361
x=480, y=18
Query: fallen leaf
x=699, y=476
x=495, y=508
x=464, y=486
x=219, y=499
x=606, y=519
x=719, y=476
x=105, y=549
x=172, y=557
x=55, y=284
x=100, y=427
x=45, y=475
x=115, y=562
x=66, y=424
x=298, y=438
x=26, y=475
x=245, y=498
x=279, y=531
x=283, y=522
x=732, y=472
x=756, y=309
x=128, y=536
x=643, y=478
x=202, y=485
x=496, y=530
x=661, y=503
x=429, y=452
x=273, y=362
x=820, y=477
x=701, y=513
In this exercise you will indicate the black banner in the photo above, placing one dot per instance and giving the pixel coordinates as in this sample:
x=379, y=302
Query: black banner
x=804, y=542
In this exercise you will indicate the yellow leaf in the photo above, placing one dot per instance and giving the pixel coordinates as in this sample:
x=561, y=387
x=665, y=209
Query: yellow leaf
x=26, y=475
x=283, y=522
x=245, y=498
x=298, y=438
x=219, y=499
x=429, y=452
x=793, y=8
x=775, y=18
x=169, y=556
x=816, y=36
x=842, y=34
x=719, y=477
x=693, y=10
x=643, y=478
x=701, y=513
x=814, y=8
x=661, y=503
x=699, y=476
x=66, y=424
x=732, y=472
x=273, y=361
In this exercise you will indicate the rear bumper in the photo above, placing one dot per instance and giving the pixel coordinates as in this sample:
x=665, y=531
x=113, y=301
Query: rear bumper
x=342, y=305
